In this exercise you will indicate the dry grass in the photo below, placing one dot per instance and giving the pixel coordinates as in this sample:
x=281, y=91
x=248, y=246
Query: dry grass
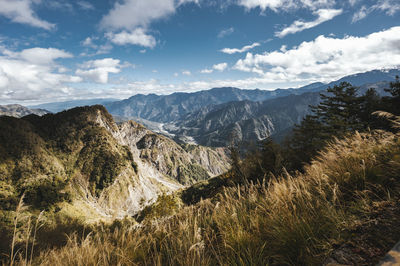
x=291, y=220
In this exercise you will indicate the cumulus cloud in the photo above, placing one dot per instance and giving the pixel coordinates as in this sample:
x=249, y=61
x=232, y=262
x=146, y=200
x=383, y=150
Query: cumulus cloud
x=33, y=73
x=240, y=50
x=130, y=14
x=136, y=37
x=186, y=73
x=300, y=25
x=20, y=11
x=220, y=67
x=99, y=70
x=327, y=58
x=132, y=18
x=225, y=32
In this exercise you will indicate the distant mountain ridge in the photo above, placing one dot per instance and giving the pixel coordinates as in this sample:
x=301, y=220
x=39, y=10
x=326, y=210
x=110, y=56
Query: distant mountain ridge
x=220, y=115
x=174, y=107
x=247, y=121
x=56, y=107
x=17, y=110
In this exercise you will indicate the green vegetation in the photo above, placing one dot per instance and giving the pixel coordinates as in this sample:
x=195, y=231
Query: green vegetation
x=41, y=158
x=334, y=186
x=292, y=220
x=341, y=112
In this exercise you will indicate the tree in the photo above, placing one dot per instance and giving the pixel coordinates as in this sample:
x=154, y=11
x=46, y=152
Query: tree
x=304, y=142
x=338, y=113
x=339, y=110
x=392, y=104
x=369, y=103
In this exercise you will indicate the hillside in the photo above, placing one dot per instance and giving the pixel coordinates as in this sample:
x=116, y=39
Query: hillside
x=17, y=110
x=79, y=165
x=338, y=211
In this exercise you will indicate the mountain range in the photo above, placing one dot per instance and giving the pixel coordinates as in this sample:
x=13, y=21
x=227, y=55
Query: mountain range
x=17, y=110
x=217, y=116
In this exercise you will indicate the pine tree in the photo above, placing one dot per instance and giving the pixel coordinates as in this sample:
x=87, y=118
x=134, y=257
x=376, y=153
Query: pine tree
x=337, y=114
x=305, y=140
x=339, y=110
x=369, y=103
x=393, y=103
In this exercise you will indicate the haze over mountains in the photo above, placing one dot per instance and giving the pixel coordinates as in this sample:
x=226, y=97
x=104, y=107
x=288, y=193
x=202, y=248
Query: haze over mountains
x=17, y=110
x=217, y=116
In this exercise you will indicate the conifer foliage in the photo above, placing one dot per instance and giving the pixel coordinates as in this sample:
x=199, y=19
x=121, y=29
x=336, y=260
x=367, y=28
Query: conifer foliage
x=342, y=110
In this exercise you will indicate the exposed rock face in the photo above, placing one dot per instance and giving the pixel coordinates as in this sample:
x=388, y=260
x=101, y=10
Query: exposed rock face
x=17, y=110
x=104, y=170
x=186, y=164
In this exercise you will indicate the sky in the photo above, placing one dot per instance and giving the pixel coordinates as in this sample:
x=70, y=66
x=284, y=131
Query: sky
x=58, y=50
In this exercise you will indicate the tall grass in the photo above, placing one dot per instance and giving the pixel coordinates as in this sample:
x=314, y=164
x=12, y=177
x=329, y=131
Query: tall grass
x=293, y=220
x=25, y=229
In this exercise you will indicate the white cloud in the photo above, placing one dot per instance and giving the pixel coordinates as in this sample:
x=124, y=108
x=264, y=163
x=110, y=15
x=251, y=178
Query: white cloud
x=133, y=18
x=54, y=4
x=186, y=73
x=353, y=2
x=38, y=56
x=220, y=67
x=33, y=74
x=278, y=5
x=225, y=32
x=98, y=70
x=85, y=5
x=391, y=7
x=20, y=11
x=240, y=50
x=130, y=14
x=361, y=14
x=136, y=37
x=327, y=58
x=89, y=43
x=206, y=71
x=299, y=25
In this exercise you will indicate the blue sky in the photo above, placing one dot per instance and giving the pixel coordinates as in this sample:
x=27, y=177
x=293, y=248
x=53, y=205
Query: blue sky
x=56, y=50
